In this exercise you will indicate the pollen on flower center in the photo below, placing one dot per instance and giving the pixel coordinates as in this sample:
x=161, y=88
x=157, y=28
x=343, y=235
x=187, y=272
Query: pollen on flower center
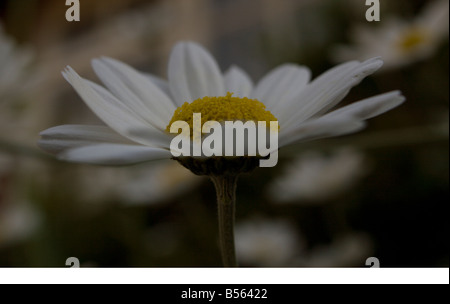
x=411, y=39
x=223, y=108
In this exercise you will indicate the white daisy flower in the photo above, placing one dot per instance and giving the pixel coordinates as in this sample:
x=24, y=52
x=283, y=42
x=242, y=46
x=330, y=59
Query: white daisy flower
x=315, y=177
x=399, y=42
x=14, y=61
x=137, y=108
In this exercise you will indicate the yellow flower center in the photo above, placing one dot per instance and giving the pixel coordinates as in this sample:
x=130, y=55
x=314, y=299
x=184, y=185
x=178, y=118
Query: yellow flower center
x=223, y=108
x=412, y=39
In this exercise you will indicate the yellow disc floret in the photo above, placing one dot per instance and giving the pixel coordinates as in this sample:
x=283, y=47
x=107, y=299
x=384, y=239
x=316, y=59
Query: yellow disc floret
x=223, y=108
x=412, y=39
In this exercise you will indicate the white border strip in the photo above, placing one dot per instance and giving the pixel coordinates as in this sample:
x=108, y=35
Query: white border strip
x=224, y=275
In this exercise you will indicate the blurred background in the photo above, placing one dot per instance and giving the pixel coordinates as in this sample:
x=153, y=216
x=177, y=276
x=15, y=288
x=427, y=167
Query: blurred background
x=382, y=192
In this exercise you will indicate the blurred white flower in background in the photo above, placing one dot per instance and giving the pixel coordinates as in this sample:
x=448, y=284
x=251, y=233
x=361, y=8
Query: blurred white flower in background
x=277, y=243
x=136, y=185
x=14, y=63
x=264, y=242
x=18, y=221
x=18, y=80
x=314, y=176
x=399, y=42
x=349, y=250
x=19, y=218
x=157, y=183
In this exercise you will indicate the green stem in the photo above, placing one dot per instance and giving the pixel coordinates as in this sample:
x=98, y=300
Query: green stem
x=226, y=200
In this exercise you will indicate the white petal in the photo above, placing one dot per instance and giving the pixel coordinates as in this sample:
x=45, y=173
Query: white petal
x=155, y=137
x=139, y=93
x=114, y=154
x=193, y=73
x=161, y=83
x=320, y=128
x=238, y=82
x=329, y=89
x=90, y=132
x=60, y=138
x=280, y=86
x=108, y=108
x=370, y=107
